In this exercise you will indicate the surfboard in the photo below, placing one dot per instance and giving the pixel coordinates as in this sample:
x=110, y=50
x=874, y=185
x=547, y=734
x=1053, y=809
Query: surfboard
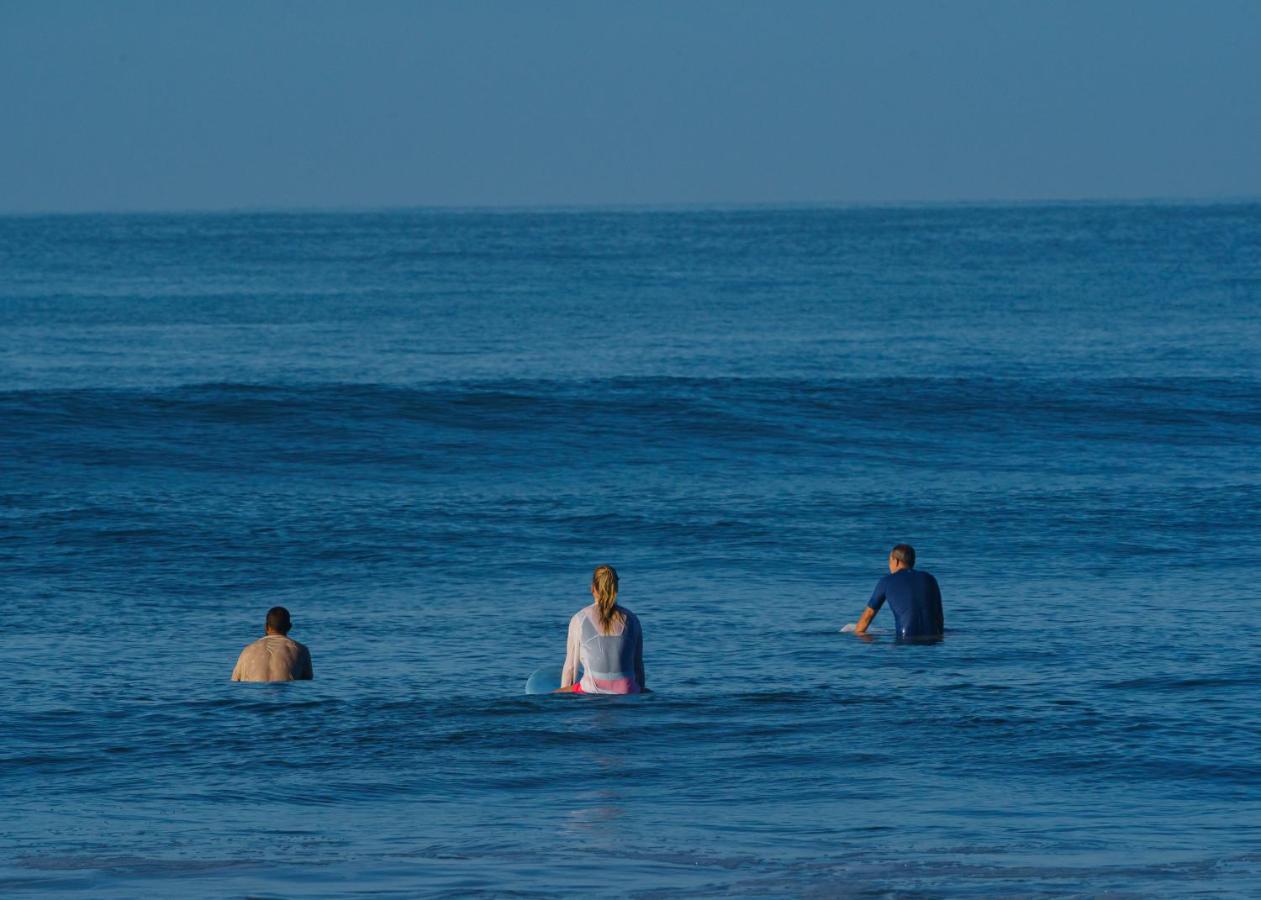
x=547, y=679
x=849, y=629
x=543, y=681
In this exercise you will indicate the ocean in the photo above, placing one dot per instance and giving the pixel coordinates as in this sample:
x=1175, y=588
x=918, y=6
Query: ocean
x=421, y=430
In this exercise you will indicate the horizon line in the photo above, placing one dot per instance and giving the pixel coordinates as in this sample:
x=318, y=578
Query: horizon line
x=646, y=207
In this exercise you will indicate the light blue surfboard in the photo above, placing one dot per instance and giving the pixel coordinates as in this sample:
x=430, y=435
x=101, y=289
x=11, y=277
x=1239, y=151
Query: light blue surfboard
x=543, y=681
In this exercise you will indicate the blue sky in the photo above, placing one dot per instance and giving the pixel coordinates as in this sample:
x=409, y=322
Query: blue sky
x=175, y=105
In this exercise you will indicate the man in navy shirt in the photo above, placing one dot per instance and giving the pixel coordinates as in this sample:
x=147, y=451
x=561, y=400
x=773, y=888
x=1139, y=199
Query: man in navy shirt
x=913, y=596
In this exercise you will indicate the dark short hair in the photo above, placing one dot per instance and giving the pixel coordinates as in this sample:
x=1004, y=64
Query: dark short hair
x=278, y=619
x=905, y=554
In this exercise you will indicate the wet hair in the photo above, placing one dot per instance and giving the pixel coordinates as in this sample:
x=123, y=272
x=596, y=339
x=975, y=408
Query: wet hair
x=905, y=554
x=278, y=619
x=604, y=584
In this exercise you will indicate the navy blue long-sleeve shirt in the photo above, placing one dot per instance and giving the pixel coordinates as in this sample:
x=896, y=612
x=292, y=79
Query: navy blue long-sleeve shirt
x=915, y=600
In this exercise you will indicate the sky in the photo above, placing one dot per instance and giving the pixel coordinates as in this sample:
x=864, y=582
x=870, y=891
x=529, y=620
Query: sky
x=173, y=105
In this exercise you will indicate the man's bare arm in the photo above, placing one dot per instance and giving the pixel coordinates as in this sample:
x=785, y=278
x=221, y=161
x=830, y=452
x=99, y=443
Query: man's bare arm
x=864, y=620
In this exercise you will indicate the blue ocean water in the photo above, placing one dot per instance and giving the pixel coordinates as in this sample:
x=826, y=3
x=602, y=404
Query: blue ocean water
x=420, y=431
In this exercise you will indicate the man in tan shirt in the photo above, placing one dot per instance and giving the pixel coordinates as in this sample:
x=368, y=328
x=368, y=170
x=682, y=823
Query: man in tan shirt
x=274, y=657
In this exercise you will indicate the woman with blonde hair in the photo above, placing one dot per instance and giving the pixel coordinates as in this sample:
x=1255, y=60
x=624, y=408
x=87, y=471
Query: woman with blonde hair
x=608, y=642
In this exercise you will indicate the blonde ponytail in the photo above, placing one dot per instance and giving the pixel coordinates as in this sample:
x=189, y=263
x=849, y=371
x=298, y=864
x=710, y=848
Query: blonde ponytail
x=604, y=587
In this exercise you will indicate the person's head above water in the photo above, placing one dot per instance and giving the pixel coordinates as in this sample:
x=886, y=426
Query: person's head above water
x=901, y=557
x=278, y=621
x=604, y=592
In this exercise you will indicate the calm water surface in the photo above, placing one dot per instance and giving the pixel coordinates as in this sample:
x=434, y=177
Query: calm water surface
x=420, y=432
